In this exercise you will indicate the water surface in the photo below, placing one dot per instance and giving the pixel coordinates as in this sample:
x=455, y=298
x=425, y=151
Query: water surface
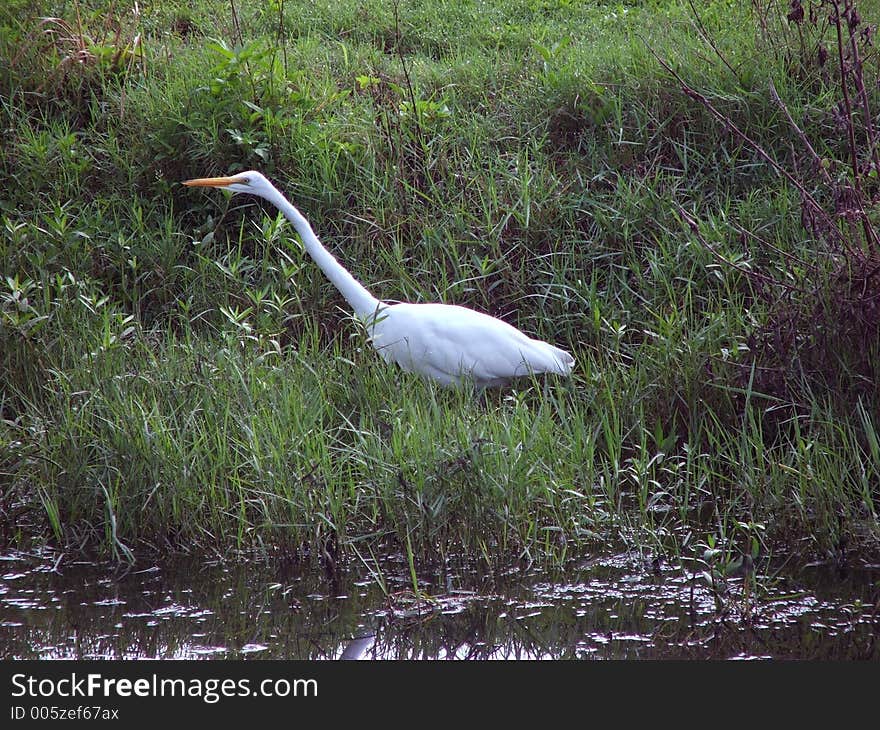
x=609, y=606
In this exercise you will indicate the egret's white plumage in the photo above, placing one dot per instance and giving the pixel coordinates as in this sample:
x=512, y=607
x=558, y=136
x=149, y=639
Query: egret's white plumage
x=444, y=342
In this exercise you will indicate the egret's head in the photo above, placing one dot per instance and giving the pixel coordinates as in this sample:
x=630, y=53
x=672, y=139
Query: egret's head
x=251, y=182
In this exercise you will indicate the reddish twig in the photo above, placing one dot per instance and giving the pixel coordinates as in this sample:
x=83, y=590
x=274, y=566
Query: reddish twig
x=751, y=273
x=806, y=195
x=803, y=137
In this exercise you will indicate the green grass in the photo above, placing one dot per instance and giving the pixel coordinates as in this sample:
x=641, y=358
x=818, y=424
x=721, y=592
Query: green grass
x=177, y=376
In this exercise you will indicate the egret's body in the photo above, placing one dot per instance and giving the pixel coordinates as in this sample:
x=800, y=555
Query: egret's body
x=444, y=342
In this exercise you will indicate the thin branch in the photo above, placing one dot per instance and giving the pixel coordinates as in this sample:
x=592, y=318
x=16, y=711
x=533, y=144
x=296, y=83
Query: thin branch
x=870, y=235
x=236, y=25
x=766, y=244
x=409, y=85
x=863, y=93
x=708, y=39
x=282, y=35
x=803, y=137
x=751, y=273
x=849, y=127
x=727, y=122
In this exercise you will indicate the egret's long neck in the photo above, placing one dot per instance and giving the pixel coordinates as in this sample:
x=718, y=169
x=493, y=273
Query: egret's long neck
x=363, y=303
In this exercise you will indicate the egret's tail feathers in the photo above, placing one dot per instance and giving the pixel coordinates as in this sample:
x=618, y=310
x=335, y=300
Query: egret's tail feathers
x=547, y=358
x=564, y=359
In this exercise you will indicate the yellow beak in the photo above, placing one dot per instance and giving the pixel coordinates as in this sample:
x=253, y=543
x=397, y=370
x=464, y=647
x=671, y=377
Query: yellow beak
x=210, y=182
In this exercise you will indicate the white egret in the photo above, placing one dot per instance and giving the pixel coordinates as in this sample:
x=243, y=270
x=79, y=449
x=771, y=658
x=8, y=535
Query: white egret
x=445, y=342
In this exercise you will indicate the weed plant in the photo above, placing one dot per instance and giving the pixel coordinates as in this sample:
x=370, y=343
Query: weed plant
x=682, y=196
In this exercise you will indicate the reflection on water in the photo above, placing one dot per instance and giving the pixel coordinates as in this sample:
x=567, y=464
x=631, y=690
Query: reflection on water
x=611, y=607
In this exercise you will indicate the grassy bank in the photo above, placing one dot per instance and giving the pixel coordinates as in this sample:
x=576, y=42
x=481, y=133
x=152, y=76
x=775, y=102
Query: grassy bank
x=178, y=376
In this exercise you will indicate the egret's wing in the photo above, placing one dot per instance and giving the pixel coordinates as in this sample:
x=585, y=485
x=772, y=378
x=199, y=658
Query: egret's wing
x=448, y=342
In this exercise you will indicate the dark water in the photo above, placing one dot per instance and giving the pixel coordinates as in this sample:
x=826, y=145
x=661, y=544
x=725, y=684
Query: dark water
x=609, y=606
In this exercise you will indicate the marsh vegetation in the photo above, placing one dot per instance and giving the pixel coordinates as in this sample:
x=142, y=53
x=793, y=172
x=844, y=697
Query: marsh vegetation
x=682, y=197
